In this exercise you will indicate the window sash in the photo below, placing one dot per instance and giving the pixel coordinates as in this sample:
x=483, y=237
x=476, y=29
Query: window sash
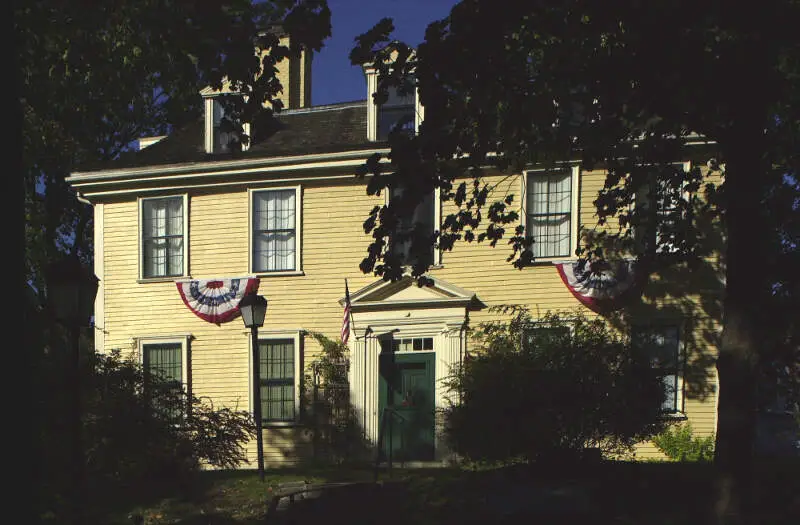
x=533, y=334
x=425, y=215
x=162, y=237
x=165, y=361
x=549, y=215
x=276, y=362
x=662, y=345
x=275, y=231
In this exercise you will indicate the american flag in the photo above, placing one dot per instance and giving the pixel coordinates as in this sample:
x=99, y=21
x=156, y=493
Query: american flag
x=346, y=318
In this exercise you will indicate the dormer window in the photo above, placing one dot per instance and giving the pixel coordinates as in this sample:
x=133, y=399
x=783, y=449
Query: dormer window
x=401, y=112
x=219, y=137
x=398, y=112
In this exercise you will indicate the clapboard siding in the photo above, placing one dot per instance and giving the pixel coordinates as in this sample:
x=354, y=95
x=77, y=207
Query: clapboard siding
x=333, y=245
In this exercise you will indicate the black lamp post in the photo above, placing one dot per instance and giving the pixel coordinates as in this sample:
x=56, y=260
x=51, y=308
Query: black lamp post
x=254, y=308
x=71, y=290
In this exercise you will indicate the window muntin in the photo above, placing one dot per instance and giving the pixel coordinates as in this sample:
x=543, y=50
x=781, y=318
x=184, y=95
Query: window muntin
x=412, y=344
x=549, y=213
x=163, y=237
x=275, y=230
x=164, y=362
x=662, y=346
x=277, y=370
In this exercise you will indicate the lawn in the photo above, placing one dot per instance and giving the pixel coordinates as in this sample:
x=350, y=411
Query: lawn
x=619, y=493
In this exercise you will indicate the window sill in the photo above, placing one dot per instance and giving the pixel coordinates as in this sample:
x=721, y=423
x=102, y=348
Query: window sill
x=544, y=261
x=280, y=424
x=280, y=274
x=163, y=279
x=675, y=416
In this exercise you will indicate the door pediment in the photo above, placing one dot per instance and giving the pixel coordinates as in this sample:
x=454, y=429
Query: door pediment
x=405, y=293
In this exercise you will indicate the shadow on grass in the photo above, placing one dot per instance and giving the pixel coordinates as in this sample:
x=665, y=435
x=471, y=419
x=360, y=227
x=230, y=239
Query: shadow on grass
x=606, y=492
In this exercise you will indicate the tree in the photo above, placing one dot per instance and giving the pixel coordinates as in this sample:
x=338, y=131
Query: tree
x=552, y=389
x=97, y=77
x=622, y=87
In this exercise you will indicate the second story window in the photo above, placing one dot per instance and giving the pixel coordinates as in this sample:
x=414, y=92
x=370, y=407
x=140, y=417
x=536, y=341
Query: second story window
x=163, y=237
x=423, y=218
x=551, y=214
x=275, y=223
x=398, y=112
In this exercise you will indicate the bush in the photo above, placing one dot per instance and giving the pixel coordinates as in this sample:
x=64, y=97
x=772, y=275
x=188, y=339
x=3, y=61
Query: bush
x=337, y=436
x=570, y=386
x=679, y=444
x=127, y=442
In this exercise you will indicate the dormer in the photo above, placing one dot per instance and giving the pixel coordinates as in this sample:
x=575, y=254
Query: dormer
x=294, y=74
x=404, y=111
x=216, y=139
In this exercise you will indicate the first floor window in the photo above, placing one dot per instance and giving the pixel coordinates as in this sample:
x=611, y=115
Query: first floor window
x=543, y=335
x=275, y=230
x=662, y=347
x=277, y=380
x=549, y=213
x=163, y=368
x=162, y=237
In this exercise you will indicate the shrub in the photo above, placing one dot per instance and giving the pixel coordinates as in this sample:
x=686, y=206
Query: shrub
x=130, y=444
x=556, y=391
x=337, y=435
x=679, y=444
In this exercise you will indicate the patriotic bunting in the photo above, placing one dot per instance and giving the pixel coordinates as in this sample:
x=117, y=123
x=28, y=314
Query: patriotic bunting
x=216, y=300
x=598, y=285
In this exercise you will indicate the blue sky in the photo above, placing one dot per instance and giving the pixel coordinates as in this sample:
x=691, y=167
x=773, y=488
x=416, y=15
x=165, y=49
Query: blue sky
x=333, y=79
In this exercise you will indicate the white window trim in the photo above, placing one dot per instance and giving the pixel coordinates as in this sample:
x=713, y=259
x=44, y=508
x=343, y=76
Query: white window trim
x=298, y=228
x=373, y=111
x=437, y=223
x=574, y=211
x=680, y=401
x=140, y=239
x=209, y=125
x=271, y=335
x=182, y=340
x=687, y=166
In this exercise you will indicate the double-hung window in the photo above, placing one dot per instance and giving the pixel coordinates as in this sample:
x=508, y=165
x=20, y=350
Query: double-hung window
x=164, y=364
x=163, y=237
x=543, y=334
x=662, y=347
x=424, y=220
x=275, y=230
x=278, y=361
x=659, y=201
x=551, y=212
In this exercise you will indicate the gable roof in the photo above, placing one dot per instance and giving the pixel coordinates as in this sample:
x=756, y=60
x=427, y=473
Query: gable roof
x=320, y=129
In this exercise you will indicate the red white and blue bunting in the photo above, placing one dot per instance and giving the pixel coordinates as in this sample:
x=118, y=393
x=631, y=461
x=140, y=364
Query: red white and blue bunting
x=598, y=285
x=216, y=300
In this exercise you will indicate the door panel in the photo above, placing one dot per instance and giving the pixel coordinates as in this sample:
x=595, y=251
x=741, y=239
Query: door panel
x=407, y=389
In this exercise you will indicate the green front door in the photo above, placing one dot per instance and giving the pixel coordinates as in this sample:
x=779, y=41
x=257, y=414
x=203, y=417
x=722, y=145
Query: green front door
x=406, y=388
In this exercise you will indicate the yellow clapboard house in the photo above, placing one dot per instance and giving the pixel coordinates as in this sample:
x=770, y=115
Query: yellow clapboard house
x=288, y=211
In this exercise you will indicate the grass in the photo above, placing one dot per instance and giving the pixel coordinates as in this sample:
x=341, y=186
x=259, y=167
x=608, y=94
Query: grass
x=618, y=493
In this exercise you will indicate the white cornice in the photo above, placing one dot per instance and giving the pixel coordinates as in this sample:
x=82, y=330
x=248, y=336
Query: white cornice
x=214, y=167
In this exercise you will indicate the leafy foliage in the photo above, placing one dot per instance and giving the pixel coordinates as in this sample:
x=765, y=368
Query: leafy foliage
x=129, y=438
x=338, y=437
x=678, y=443
x=94, y=80
x=564, y=383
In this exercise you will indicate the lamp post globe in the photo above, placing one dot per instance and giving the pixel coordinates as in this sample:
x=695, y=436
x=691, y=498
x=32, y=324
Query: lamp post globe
x=253, y=309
